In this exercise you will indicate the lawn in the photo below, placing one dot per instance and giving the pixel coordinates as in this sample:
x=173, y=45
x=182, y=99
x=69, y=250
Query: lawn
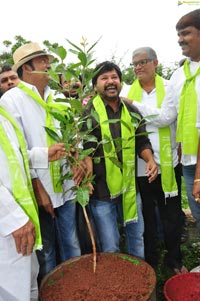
x=191, y=259
x=190, y=250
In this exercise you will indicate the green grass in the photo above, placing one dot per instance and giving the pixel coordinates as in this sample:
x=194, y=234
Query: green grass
x=190, y=252
x=184, y=198
x=191, y=259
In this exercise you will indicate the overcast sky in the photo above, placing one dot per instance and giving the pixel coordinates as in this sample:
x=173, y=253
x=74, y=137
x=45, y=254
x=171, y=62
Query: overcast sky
x=123, y=24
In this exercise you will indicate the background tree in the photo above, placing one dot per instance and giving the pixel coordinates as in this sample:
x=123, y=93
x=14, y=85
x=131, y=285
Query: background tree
x=127, y=72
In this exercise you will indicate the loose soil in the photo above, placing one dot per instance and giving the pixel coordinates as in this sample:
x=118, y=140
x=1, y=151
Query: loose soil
x=118, y=277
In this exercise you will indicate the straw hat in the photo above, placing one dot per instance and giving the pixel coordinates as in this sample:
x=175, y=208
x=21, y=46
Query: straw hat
x=26, y=53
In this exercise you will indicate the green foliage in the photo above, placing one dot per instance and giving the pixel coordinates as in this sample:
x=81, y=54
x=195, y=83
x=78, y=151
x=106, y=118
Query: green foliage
x=184, y=198
x=10, y=47
x=128, y=75
x=84, y=55
x=166, y=72
x=72, y=119
x=191, y=259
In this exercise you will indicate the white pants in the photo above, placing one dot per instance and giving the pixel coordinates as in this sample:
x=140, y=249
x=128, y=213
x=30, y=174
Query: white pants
x=18, y=274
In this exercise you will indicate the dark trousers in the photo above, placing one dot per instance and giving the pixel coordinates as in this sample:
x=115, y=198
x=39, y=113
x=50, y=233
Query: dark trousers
x=170, y=215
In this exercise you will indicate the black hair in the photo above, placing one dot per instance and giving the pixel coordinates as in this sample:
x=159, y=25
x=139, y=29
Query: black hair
x=190, y=19
x=5, y=68
x=20, y=70
x=105, y=67
x=60, y=78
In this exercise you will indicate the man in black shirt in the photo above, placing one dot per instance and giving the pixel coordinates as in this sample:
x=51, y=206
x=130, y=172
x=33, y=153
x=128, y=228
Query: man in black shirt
x=115, y=195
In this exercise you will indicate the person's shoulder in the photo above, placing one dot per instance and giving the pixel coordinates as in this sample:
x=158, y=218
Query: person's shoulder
x=178, y=72
x=11, y=93
x=125, y=89
x=177, y=79
x=131, y=107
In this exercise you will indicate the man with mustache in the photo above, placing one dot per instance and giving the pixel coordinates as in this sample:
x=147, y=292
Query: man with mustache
x=31, y=104
x=115, y=193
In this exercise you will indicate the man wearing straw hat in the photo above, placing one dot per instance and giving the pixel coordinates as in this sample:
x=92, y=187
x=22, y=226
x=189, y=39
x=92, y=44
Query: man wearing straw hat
x=31, y=103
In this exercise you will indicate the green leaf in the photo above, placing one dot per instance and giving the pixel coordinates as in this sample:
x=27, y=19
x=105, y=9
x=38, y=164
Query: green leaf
x=67, y=176
x=60, y=51
x=143, y=133
x=85, y=153
x=90, y=138
x=108, y=146
x=150, y=117
x=54, y=76
x=96, y=160
x=90, y=63
x=83, y=58
x=52, y=134
x=82, y=196
x=126, y=125
x=104, y=141
x=59, y=117
x=72, y=67
x=95, y=115
x=118, y=144
x=75, y=104
x=74, y=45
x=89, y=123
x=115, y=161
x=94, y=44
x=135, y=115
x=63, y=100
x=111, y=121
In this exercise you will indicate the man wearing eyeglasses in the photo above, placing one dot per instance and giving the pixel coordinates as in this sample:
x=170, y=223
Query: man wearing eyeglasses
x=165, y=192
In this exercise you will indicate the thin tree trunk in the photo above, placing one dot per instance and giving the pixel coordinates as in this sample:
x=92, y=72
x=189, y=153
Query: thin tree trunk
x=91, y=233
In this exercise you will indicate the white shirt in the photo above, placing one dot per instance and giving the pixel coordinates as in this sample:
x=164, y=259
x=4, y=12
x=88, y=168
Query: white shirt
x=12, y=216
x=150, y=100
x=31, y=118
x=170, y=106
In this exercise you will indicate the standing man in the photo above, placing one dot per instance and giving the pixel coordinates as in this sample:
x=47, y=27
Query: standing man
x=165, y=192
x=8, y=78
x=182, y=102
x=115, y=193
x=31, y=103
x=19, y=222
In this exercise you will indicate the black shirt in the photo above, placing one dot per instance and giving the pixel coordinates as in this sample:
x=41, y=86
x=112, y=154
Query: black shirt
x=142, y=142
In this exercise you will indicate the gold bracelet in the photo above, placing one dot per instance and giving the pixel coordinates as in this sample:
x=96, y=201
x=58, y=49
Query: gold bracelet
x=196, y=180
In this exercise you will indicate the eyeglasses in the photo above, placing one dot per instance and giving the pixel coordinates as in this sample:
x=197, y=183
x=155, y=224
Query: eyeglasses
x=140, y=63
